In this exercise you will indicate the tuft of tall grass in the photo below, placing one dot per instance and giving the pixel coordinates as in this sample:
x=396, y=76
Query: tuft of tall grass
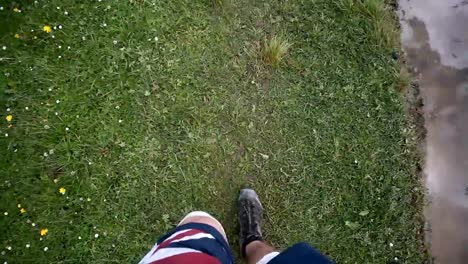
x=383, y=21
x=274, y=49
x=219, y=4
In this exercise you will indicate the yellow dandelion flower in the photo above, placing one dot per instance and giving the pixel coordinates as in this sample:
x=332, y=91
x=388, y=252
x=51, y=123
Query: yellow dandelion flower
x=47, y=29
x=17, y=36
x=17, y=10
x=44, y=231
x=62, y=190
x=22, y=210
x=9, y=118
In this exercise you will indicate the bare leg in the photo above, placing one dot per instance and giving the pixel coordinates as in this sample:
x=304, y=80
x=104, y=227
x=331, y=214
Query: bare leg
x=256, y=250
x=253, y=247
x=193, y=234
x=203, y=218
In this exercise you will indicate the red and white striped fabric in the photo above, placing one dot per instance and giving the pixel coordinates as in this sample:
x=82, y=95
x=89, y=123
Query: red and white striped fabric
x=170, y=251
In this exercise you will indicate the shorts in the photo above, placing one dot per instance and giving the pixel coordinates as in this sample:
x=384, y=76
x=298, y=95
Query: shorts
x=200, y=243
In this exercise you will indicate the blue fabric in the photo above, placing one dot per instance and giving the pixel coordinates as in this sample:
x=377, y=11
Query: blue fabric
x=218, y=248
x=301, y=253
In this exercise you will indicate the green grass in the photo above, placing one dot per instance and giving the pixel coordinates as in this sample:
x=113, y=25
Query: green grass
x=158, y=108
x=274, y=49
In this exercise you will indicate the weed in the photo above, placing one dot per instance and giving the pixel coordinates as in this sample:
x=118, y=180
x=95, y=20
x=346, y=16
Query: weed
x=274, y=49
x=381, y=19
x=218, y=4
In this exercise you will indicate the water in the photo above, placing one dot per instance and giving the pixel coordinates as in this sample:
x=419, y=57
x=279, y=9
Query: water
x=435, y=38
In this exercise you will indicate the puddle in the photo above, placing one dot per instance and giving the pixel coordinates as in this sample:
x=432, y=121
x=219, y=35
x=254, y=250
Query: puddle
x=435, y=38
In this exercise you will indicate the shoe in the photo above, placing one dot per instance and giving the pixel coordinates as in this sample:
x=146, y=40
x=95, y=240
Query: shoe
x=250, y=218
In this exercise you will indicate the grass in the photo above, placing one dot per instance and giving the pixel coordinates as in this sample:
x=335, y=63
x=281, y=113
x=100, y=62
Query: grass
x=146, y=110
x=384, y=26
x=274, y=50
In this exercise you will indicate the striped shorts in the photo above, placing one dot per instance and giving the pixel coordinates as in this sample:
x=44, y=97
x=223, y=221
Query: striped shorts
x=201, y=243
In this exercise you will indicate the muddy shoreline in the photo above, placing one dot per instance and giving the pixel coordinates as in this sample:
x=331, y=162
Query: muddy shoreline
x=435, y=42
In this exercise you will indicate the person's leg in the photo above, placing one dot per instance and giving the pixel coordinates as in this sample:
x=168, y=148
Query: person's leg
x=198, y=238
x=259, y=252
x=203, y=218
x=253, y=247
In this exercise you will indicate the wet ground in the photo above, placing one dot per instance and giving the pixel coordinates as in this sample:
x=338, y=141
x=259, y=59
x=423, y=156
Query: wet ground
x=435, y=38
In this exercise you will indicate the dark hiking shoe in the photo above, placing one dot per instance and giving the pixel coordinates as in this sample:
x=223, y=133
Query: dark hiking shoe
x=250, y=218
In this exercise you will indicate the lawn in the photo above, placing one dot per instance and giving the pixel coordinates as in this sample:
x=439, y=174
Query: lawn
x=126, y=115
